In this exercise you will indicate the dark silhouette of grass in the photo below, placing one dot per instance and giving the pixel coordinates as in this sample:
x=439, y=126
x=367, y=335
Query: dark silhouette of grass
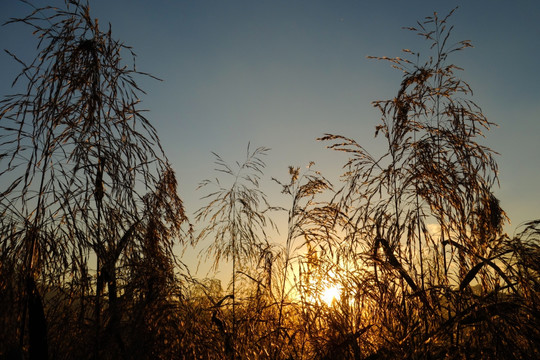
x=412, y=238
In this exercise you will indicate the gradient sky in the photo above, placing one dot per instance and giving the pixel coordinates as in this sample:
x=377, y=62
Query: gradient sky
x=282, y=73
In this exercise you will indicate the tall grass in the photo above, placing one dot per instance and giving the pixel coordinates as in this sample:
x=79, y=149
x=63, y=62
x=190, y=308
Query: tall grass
x=412, y=238
x=85, y=164
x=236, y=217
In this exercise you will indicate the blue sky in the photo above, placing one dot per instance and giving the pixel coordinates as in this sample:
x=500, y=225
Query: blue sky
x=282, y=73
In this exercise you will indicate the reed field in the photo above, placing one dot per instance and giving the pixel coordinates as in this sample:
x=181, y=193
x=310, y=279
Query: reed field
x=404, y=257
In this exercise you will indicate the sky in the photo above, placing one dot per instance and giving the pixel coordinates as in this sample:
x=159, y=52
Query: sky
x=280, y=74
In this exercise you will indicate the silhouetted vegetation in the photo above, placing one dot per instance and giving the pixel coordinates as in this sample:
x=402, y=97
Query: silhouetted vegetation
x=406, y=258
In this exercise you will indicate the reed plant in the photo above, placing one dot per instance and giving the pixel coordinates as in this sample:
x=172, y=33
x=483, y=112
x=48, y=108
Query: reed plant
x=405, y=258
x=236, y=219
x=84, y=164
x=425, y=215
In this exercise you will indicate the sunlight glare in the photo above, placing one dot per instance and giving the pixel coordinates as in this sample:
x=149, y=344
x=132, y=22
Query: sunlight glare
x=330, y=294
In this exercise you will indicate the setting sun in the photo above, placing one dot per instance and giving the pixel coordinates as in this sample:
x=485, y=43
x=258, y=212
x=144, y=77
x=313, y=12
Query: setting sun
x=330, y=294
